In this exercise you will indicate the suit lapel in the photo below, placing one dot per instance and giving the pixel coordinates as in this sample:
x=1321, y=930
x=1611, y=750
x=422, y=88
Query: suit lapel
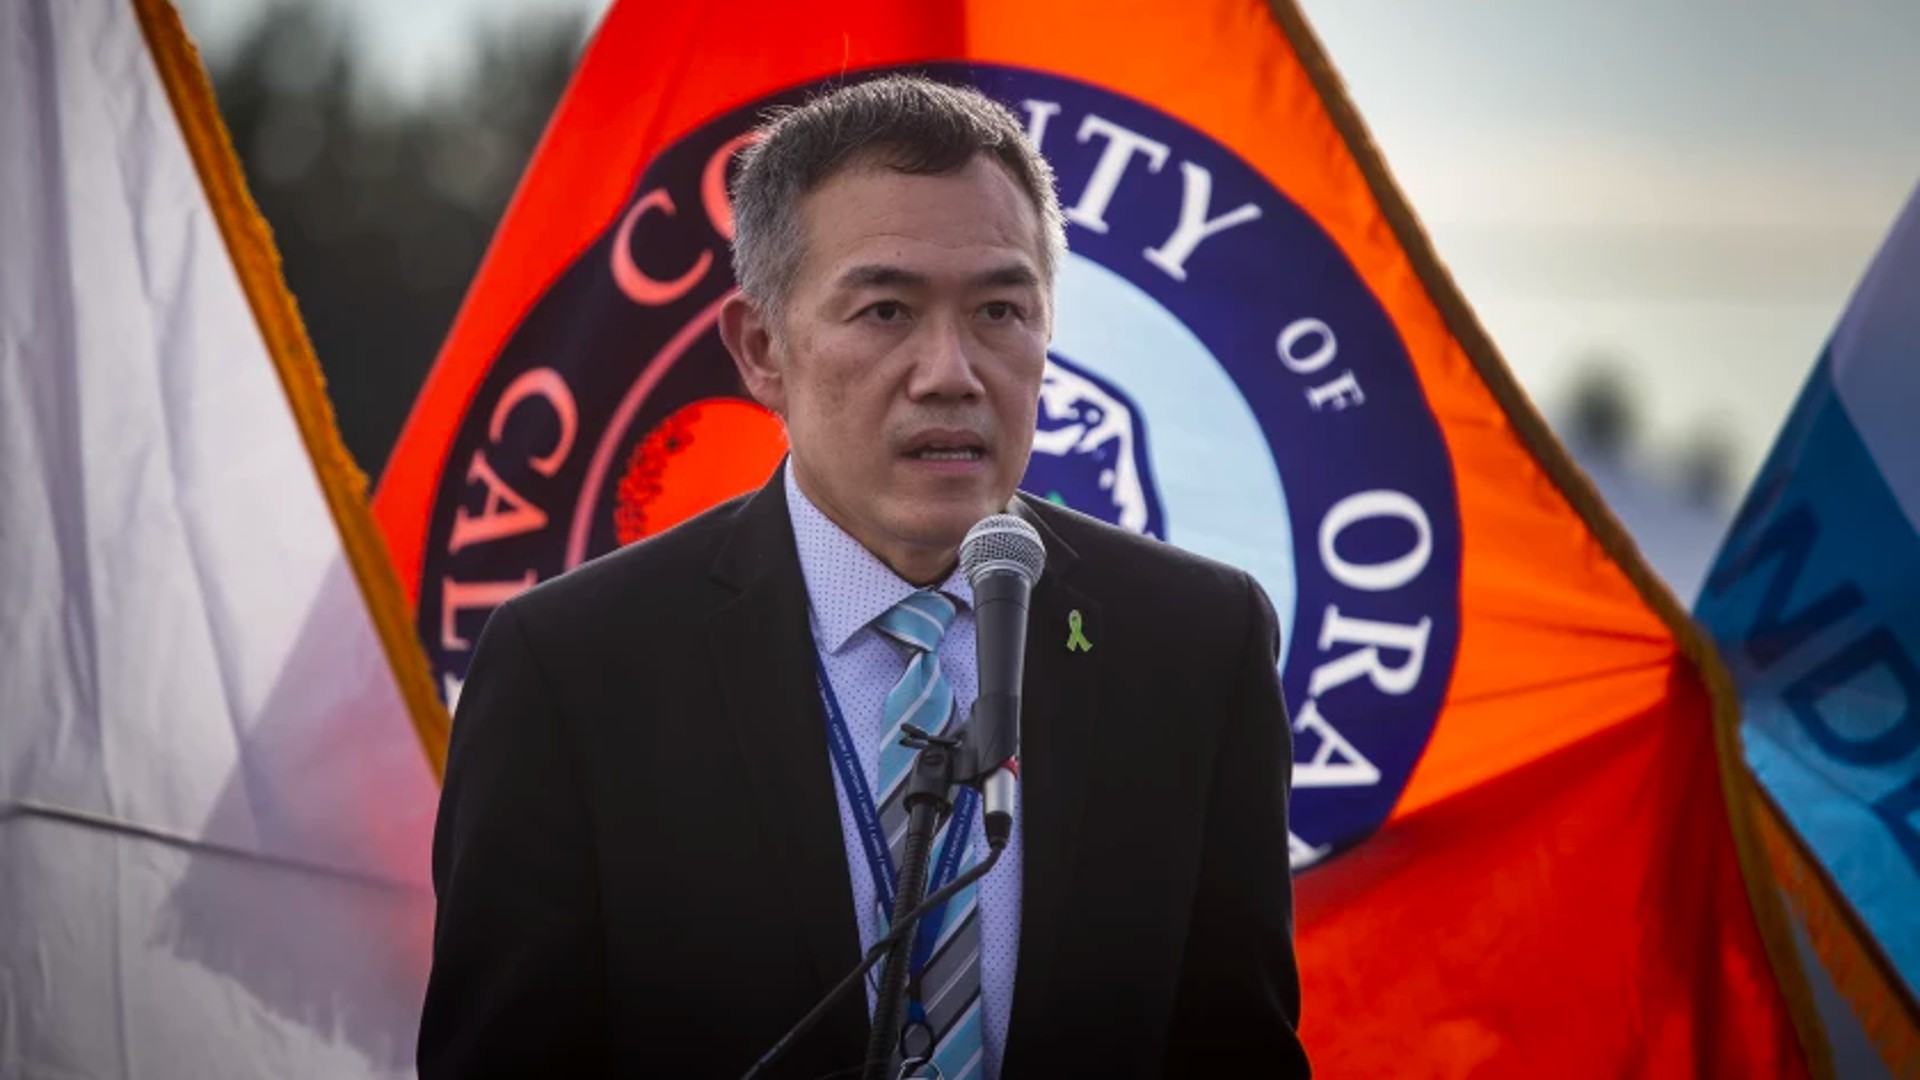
x=1056, y=728
x=763, y=647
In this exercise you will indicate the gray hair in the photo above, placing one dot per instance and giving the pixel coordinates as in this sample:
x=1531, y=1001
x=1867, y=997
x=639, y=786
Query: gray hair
x=908, y=123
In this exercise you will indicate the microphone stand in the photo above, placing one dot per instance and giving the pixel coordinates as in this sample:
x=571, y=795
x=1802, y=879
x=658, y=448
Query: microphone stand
x=970, y=757
x=927, y=804
x=975, y=756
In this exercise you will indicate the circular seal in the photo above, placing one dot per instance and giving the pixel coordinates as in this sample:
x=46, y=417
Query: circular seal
x=1220, y=377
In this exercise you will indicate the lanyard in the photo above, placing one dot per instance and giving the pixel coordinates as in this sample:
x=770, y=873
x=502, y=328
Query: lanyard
x=873, y=840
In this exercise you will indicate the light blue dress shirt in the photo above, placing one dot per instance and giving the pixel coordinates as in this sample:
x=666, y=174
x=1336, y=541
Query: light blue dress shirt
x=847, y=588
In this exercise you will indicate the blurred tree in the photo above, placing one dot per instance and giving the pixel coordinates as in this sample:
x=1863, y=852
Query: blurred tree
x=382, y=209
x=1601, y=420
x=1705, y=465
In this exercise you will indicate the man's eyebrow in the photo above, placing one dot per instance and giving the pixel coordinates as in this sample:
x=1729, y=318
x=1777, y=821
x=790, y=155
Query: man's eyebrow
x=880, y=275
x=871, y=276
x=1012, y=274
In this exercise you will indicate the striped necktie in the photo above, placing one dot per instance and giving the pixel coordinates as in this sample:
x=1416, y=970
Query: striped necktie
x=947, y=990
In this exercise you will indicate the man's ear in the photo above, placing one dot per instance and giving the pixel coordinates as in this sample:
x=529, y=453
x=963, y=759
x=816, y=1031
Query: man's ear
x=748, y=334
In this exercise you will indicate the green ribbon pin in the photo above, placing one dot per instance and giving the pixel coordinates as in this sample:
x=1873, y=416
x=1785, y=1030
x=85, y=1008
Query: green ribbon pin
x=1076, y=639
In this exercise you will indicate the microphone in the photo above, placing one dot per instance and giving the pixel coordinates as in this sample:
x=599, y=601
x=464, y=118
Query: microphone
x=1002, y=556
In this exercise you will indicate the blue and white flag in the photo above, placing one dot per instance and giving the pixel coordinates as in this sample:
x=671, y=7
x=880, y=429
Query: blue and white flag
x=1815, y=602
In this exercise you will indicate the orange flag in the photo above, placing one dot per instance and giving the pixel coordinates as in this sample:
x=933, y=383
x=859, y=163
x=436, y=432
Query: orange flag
x=1520, y=834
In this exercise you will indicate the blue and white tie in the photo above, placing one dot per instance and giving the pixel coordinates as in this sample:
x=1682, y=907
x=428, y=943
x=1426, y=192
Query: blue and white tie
x=949, y=985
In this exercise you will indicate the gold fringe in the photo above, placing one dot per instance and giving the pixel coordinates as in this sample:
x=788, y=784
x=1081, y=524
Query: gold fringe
x=1852, y=957
x=1579, y=492
x=250, y=244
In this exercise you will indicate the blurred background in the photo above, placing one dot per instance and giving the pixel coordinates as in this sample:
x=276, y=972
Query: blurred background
x=1658, y=210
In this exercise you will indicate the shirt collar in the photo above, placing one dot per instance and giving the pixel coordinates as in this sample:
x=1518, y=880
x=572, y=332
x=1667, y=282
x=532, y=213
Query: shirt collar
x=848, y=586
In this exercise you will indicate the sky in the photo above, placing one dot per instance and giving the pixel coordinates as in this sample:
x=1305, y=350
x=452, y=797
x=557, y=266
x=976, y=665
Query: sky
x=1687, y=190
x=1692, y=188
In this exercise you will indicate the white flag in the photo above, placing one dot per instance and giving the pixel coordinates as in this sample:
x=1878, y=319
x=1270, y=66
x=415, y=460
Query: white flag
x=214, y=806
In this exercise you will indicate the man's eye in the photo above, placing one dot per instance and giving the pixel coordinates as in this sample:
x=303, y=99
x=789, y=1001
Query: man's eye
x=887, y=311
x=999, y=311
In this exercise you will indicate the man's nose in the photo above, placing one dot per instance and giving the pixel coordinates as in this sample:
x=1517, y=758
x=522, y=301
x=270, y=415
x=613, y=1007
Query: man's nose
x=943, y=363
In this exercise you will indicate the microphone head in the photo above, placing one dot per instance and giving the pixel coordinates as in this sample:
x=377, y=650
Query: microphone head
x=1002, y=542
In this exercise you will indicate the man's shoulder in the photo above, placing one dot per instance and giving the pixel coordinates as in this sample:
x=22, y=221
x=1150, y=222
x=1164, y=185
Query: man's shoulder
x=1177, y=606
x=664, y=573
x=1111, y=557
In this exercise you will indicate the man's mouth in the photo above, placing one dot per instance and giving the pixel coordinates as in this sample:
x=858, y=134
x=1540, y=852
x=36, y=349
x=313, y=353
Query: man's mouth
x=944, y=453
x=947, y=446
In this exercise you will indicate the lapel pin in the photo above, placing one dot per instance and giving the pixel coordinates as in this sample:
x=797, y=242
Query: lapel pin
x=1076, y=639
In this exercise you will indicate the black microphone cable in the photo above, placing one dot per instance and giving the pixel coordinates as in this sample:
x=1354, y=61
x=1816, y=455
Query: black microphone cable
x=901, y=927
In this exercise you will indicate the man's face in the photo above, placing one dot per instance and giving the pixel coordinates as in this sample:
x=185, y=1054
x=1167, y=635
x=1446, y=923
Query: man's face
x=909, y=359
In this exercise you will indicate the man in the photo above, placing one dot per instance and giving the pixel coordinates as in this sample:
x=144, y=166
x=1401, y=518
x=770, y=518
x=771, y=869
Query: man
x=649, y=857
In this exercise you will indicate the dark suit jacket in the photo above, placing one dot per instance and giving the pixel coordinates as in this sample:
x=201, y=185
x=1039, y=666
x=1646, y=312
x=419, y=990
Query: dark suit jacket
x=639, y=860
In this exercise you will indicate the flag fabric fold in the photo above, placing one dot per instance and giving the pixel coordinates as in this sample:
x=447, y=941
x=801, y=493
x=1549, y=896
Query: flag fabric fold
x=1521, y=838
x=214, y=804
